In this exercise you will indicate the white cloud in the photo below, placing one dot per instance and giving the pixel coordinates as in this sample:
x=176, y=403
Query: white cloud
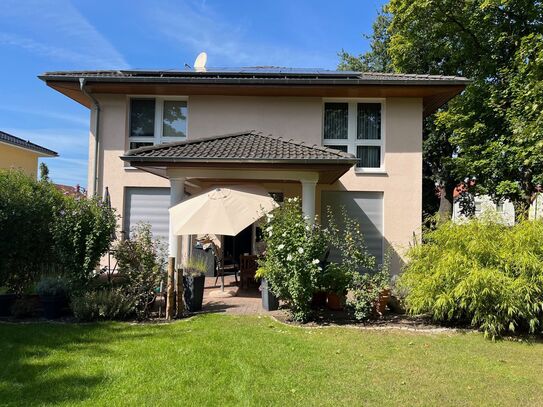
x=67, y=142
x=200, y=28
x=80, y=120
x=57, y=30
x=70, y=167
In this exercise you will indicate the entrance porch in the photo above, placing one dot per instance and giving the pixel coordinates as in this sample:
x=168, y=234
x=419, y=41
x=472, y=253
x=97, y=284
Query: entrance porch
x=282, y=167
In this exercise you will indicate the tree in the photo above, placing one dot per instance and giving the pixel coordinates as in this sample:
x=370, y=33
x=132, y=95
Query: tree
x=486, y=132
x=377, y=59
x=44, y=172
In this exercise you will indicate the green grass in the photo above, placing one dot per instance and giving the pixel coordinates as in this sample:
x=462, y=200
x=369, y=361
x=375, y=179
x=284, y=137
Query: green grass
x=229, y=360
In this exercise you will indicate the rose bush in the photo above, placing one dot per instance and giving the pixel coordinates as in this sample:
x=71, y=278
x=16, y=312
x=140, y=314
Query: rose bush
x=295, y=246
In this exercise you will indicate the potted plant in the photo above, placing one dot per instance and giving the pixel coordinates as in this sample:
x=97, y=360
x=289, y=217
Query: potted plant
x=382, y=284
x=193, y=283
x=337, y=281
x=269, y=301
x=52, y=292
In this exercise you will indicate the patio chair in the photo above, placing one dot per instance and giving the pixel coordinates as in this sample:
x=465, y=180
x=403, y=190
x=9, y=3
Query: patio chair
x=247, y=269
x=226, y=266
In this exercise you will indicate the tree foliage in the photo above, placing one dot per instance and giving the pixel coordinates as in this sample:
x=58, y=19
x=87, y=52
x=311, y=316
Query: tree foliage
x=493, y=130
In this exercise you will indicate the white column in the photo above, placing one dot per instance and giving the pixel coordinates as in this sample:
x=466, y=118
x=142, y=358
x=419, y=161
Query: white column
x=177, y=195
x=308, y=198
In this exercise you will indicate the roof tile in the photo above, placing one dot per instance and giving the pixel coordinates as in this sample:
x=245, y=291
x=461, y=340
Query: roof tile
x=247, y=145
x=19, y=142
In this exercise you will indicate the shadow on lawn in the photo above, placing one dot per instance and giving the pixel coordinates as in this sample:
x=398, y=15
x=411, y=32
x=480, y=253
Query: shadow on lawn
x=29, y=376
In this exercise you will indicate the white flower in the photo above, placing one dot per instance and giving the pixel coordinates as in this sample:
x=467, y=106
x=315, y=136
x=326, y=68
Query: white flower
x=307, y=227
x=300, y=250
x=269, y=216
x=306, y=217
x=284, y=234
x=269, y=229
x=319, y=268
x=281, y=246
x=289, y=257
x=315, y=261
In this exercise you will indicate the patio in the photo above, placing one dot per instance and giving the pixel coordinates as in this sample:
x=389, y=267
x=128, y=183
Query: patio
x=246, y=302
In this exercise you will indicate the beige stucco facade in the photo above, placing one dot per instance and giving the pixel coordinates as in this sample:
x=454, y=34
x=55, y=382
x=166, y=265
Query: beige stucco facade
x=18, y=158
x=299, y=118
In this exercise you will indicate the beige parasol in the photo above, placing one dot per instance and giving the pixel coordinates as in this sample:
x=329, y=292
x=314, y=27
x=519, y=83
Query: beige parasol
x=221, y=211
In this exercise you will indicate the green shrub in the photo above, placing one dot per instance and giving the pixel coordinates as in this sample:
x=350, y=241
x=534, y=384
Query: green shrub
x=294, y=250
x=43, y=231
x=51, y=286
x=103, y=304
x=27, y=210
x=296, y=265
x=479, y=271
x=142, y=265
x=83, y=230
x=354, y=267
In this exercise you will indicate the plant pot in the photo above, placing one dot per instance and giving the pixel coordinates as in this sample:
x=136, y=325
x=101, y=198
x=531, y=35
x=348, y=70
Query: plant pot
x=336, y=301
x=193, y=292
x=318, y=300
x=269, y=300
x=52, y=305
x=6, y=302
x=380, y=305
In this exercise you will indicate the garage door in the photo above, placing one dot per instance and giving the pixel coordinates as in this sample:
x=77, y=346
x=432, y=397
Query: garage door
x=367, y=208
x=148, y=205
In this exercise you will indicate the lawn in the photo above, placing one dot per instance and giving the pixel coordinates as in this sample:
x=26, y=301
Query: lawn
x=241, y=360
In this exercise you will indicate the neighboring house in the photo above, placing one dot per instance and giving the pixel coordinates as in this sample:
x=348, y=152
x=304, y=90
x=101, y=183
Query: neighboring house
x=484, y=204
x=77, y=191
x=21, y=154
x=333, y=138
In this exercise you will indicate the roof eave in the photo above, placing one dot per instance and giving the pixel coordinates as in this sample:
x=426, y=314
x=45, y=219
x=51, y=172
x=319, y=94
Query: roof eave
x=179, y=160
x=40, y=153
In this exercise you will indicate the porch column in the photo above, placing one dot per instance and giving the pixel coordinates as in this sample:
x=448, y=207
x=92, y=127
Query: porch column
x=177, y=195
x=308, y=198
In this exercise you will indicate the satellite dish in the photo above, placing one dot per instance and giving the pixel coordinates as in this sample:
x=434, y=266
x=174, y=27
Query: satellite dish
x=200, y=62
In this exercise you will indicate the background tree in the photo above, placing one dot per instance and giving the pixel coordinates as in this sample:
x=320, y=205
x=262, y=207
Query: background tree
x=488, y=131
x=44, y=172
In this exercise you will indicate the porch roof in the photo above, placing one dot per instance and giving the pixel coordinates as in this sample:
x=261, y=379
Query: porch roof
x=246, y=149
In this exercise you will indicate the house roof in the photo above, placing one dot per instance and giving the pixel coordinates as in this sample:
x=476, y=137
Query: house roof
x=269, y=75
x=27, y=145
x=245, y=151
x=243, y=147
x=435, y=90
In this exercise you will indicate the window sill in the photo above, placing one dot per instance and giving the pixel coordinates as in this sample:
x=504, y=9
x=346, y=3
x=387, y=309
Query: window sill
x=370, y=171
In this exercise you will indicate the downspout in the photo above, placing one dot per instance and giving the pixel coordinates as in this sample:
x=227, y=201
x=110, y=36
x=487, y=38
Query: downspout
x=96, y=106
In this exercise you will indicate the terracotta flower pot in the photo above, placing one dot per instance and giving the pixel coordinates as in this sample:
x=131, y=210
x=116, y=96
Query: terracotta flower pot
x=318, y=300
x=381, y=303
x=335, y=301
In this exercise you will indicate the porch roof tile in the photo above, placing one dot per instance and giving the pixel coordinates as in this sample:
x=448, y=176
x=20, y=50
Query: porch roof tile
x=243, y=146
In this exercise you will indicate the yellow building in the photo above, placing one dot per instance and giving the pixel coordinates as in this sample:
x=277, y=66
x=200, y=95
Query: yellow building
x=21, y=154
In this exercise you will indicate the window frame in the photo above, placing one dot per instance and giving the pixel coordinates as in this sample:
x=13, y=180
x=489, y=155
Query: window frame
x=352, y=142
x=157, y=138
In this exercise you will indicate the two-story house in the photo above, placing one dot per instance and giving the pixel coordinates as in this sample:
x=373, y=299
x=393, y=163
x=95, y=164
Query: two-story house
x=333, y=138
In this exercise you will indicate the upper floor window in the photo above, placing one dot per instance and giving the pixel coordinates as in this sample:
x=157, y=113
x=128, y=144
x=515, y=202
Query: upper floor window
x=355, y=127
x=156, y=121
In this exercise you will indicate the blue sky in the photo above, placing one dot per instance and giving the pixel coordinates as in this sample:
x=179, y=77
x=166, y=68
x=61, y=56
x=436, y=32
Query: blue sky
x=41, y=35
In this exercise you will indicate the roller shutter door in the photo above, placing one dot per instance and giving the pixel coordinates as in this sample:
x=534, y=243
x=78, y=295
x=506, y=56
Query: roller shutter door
x=367, y=208
x=148, y=205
